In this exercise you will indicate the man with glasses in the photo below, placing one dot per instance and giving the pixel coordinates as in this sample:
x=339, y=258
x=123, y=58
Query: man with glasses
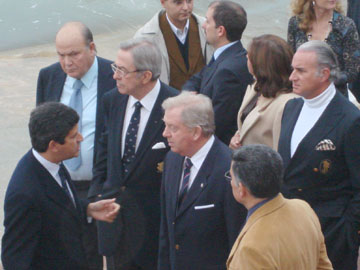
x=178, y=33
x=200, y=219
x=79, y=80
x=130, y=156
x=279, y=233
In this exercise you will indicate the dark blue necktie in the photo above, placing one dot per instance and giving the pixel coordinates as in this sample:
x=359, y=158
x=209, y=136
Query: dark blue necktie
x=131, y=136
x=63, y=178
x=186, y=180
x=211, y=61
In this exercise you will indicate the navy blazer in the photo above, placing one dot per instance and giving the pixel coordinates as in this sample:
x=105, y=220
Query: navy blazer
x=136, y=228
x=51, y=82
x=43, y=229
x=225, y=82
x=193, y=237
x=328, y=180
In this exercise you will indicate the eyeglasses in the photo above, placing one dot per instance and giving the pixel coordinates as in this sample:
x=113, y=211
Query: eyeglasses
x=228, y=176
x=122, y=71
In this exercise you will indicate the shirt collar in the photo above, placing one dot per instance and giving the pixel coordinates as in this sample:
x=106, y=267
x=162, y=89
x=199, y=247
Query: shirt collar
x=176, y=30
x=89, y=76
x=149, y=100
x=198, y=158
x=257, y=206
x=52, y=168
x=220, y=50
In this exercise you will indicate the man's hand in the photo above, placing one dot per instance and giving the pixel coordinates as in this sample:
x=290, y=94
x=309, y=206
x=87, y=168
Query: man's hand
x=104, y=210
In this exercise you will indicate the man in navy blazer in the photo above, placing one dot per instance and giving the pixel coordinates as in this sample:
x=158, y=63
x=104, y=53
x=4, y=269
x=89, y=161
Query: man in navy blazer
x=133, y=124
x=78, y=61
x=44, y=218
x=226, y=77
x=200, y=218
x=319, y=143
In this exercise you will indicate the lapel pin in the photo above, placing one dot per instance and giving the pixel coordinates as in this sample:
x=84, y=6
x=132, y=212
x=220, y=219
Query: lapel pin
x=201, y=185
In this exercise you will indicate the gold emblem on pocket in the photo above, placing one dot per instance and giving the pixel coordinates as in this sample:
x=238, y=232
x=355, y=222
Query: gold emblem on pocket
x=325, y=166
x=160, y=167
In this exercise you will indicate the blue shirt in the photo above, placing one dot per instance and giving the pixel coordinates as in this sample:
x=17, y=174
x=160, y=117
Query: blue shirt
x=88, y=121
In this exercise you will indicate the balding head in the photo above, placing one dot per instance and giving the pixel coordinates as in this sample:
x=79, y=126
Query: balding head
x=76, y=49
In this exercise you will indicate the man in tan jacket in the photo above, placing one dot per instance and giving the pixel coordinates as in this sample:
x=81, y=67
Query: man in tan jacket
x=279, y=233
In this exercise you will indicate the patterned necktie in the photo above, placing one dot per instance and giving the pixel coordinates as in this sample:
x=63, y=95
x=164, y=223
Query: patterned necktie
x=76, y=104
x=185, y=182
x=130, y=139
x=63, y=178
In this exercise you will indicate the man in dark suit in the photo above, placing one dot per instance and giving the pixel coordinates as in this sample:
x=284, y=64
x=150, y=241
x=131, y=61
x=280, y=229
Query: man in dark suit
x=226, y=77
x=200, y=218
x=43, y=216
x=130, y=155
x=78, y=63
x=319, y=143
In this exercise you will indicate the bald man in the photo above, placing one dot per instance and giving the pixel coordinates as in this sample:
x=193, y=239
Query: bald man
x=79, y=69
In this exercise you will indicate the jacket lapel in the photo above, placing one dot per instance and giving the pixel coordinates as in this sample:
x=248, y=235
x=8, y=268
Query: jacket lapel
x=327, y=122
x=287, y=128
x=57, y=85
x=53, y=190
x=152, y=129
x=200, y=181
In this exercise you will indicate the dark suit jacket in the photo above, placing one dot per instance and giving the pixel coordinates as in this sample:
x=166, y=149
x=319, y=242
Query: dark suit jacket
x=192, y=238
x=225, y=82
x=42, y=227
x=328, y=180
x=51, y=81
x=136, y=229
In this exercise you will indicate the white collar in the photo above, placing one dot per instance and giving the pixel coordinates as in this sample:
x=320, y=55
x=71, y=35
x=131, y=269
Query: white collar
x=89, y=76
x=176, y=30
x=323, y=99
x=149, y=99
x=220, y=50
x=198, y=158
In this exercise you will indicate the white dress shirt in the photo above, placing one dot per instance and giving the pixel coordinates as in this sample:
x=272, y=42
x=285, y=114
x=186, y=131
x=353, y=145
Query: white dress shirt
x=180, y=34
x=147, y=103
x=197, y=160
x=88, y=121
x=53, y=169
x=309, y=115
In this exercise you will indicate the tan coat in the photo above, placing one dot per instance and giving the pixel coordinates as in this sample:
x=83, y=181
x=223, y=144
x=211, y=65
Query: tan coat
x=263, y=123
x=283, y=235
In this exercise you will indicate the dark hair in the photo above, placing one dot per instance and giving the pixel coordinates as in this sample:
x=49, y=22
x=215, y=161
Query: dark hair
x=259, y=168
x=232, y=16
x=51, y=121
x=270, y=57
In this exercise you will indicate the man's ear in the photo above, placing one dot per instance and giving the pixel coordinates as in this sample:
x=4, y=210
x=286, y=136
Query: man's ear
x=197, y=132
x=53, y=146
x=146, y=76
x=221, y=31
x=325, y=74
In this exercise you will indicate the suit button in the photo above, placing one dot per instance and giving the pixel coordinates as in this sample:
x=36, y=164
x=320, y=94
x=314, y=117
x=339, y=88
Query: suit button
x=123, y=188
x=300, y=189
x=177, y=247
x=100, y=195
x=316, y=169
x=173, y=223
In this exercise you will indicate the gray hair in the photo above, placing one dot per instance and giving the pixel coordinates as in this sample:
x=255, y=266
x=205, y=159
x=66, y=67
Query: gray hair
x=259, y=168
x=326, y=58
x=197, y=110
x=146, y=55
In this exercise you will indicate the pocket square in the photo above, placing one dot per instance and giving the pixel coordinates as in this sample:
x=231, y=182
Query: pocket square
x=159, y=145
x=325, y=145
x=199, y=207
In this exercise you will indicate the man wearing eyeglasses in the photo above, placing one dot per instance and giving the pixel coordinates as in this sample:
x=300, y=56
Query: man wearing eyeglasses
x=130, y=157
x=79, y=80
x=178, y=33
x=200, y=219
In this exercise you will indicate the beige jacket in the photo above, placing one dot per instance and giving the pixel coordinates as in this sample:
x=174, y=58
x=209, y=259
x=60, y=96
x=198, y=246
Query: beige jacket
x=263, y=124
x=152, y=31
x=280, y=235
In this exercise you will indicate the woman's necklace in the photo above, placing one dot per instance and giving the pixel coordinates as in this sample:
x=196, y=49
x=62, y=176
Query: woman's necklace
x=329, y=28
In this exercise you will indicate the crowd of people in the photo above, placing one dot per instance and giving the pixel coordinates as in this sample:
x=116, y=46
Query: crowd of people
x=190, y=152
